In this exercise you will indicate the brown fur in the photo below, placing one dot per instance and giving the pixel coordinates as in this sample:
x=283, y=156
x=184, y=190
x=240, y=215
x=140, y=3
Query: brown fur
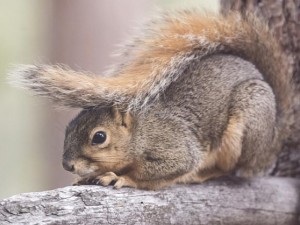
x=222, y=160
x=230, y=150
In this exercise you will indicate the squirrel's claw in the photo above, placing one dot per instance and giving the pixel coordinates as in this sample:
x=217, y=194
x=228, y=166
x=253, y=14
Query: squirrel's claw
x=104, y=180
x=120, y=181
x=107, y=178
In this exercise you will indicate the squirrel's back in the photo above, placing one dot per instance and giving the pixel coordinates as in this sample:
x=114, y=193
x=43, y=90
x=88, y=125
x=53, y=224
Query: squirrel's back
x=203, y=95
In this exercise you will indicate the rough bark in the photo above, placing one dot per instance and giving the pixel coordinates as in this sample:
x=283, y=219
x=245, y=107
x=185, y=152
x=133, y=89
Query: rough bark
x=283, y=17
x=265, y=201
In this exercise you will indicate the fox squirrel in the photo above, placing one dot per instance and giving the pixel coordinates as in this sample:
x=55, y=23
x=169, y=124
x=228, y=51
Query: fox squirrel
x=197, y=97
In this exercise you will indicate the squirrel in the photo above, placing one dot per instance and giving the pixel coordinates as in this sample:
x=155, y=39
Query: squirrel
x=197, y=96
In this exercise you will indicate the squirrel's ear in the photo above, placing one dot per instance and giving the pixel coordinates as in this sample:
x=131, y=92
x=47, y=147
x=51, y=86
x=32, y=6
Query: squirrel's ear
x=69, y=88
x=124, y=118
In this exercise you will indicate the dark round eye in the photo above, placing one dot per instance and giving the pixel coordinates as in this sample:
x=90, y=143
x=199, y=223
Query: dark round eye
x=99, y=138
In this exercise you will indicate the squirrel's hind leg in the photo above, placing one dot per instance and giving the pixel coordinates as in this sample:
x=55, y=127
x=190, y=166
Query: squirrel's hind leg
x=247, y=145
x=255, y=102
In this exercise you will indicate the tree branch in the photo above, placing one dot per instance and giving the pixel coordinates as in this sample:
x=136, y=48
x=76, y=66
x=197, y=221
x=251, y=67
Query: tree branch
x=225, y=201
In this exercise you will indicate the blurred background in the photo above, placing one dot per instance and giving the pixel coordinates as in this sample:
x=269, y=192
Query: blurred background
x=81, y=34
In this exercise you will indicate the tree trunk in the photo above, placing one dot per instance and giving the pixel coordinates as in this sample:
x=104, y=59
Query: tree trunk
x=260, y=201
x=283, y=17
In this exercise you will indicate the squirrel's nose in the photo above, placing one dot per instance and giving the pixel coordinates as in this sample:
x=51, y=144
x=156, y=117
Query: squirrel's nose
x=68, y=165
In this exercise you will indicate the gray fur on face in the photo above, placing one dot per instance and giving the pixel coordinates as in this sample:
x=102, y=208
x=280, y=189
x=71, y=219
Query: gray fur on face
x=78, y=131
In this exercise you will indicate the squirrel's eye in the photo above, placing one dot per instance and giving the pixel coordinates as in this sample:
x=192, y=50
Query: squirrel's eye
x=99, y=138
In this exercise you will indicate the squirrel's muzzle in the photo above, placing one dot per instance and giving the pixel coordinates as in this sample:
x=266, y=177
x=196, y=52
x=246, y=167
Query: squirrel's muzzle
x=69, y=166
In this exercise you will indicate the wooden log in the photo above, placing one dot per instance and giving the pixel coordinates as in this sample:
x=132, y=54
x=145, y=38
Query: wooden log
x=266, y=201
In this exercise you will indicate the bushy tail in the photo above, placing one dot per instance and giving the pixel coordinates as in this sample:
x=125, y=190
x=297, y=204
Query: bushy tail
x=68, y=88
x=160, y=55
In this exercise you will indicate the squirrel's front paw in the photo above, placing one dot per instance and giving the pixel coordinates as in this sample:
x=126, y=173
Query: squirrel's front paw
x=105, y=180
x=120, y=181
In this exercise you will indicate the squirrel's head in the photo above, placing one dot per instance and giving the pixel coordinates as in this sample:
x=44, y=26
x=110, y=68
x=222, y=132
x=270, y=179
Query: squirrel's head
x=97, y=141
